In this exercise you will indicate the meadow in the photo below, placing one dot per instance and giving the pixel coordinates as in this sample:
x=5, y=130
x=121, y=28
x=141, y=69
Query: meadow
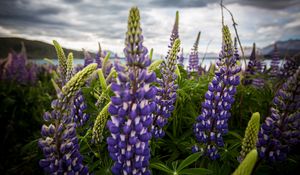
x=146, y=115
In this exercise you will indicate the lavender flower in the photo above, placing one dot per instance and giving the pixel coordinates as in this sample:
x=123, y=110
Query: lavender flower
x=166, y=93
x=132, y=106
x=59, y=142
x=282, y=129
x=211, y=124
x=275, y=69
x=194, y=58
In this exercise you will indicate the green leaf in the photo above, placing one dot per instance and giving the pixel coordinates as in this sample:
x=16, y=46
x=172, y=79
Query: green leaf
x=177, y=71
x=151, y=54
x=161, y=167
x=189, y=160
x=102, y=79
x=196, y=171
x=154, y=65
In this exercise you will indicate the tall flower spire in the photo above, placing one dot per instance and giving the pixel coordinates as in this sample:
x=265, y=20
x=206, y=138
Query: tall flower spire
x=275, y=62
x=194, y=58
x=166, y=93
x=132, y=106
x=211, y=124
x=59, y=141
x=282, y=129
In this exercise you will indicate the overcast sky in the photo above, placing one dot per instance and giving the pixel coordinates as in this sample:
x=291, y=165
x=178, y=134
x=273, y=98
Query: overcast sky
x=82, y=23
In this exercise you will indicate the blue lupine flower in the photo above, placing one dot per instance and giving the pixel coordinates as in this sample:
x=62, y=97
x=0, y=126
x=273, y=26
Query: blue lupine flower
x=132, y=106
x=275, y=69
x=281, y=129
x=211, y=124
x=59, y=141
x=166, y=93
x=290, y=67
x=194, y=58
x=254, y=68
x=181, y=58
x=78, y=109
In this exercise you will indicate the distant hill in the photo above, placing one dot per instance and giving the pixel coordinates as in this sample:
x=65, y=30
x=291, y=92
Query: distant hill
x=290, y=47
x=35, y=49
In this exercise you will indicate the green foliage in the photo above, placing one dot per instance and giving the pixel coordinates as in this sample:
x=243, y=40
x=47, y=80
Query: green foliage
x=181, y=168
x=247, y=165
x=20, y=120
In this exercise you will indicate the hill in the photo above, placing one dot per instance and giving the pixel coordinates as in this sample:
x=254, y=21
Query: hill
x=35, y=49
x=290, y=47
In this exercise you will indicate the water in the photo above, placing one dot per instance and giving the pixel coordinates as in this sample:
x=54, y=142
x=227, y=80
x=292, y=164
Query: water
x=206, y=63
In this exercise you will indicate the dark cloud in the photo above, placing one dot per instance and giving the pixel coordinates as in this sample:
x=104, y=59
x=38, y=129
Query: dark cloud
x=266, y=4
x=84, y=20
x=270, y=4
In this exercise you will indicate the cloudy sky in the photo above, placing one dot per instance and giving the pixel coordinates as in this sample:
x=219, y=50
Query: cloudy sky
x=82, y=23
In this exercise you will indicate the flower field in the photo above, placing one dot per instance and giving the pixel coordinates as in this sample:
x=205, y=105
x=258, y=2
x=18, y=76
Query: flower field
x=150, y=115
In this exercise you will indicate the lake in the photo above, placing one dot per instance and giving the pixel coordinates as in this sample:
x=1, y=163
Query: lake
x=206, y=62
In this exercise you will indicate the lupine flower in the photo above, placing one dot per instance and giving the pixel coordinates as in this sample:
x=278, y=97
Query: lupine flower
x=275, y=69
x=16, y=68
x=132, y=106
x=59, y=142
x=251, y=135
x=251, y=67
x=281, y=129
x=194, y=58
x=247, y=165
x=290, y=67
x=181, y=58
x=98, y=58
x=211, y=124
x=166, y=93
x=174, y=34
x=62, y=64
x=78, y=109
x=99, y=125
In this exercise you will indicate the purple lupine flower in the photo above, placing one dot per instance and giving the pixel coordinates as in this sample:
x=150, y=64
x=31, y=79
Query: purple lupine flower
x=181, y=58
x=174, y=34
x=98, y=58
x=15, y=68
x=60, y=144
x=88, y=59
x=78, y=110
x=254, y=68
x=59, y=141
x=281, y=129
x=275, y=69
x=290, y=67
x=132, y=106
x=31, y=73
x=194, y=58
x=211, y=124
x=166, y=93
